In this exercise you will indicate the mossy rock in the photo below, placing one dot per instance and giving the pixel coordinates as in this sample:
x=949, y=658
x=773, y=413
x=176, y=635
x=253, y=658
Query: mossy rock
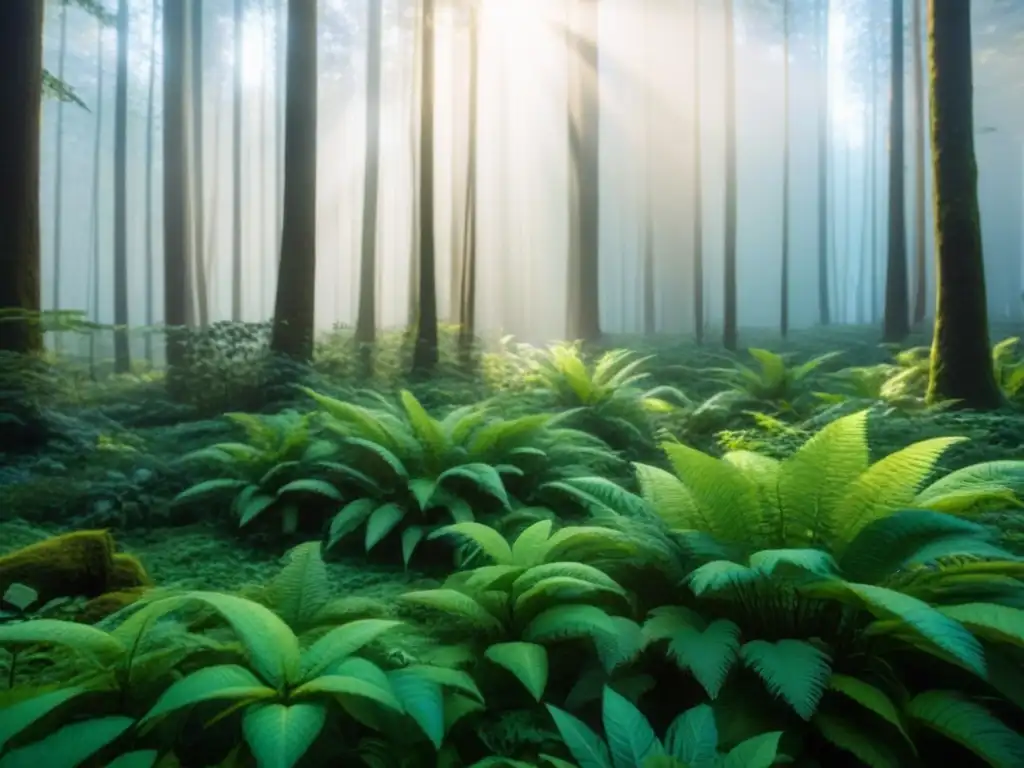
x=82, y=563
x=106, y=604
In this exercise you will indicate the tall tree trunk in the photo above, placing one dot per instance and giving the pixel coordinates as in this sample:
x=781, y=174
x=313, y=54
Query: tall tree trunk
x=824, y=308
x=467, y=285
x=366, y=319
x=649, y=301
x=920, y=266
x=896, y=324
x=198, y=264
x=150, y=111
x=97, y=165
x=863, y=252
x=21, y=87
x=584, y=305
x=729, y=326
x=784, y=311
x=873, y=75
x=236, y=170
x=961, y=361
x=58, y=174
x=261, y=246
x=296, y=279
x=175, y=187
x=122, y=347
x=425, y=351
x=697, y=186
x=413, y=313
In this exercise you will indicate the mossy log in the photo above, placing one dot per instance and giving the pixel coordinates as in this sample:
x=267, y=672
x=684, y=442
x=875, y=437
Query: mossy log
x=79, y=564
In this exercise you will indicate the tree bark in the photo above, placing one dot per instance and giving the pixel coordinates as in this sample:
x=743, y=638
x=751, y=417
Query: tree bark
x=729, y=325
x=784, y=299
x=467, y=278
x=584, y=304
x=296, y=280
x=236, y=170
x=824, y=303
x=175, y=186
x=920, y=265
x=58, y=174
x=21, y=85
x=697, y=187
x=961, y=359
x=425, y=350
x=150, y=112
x=896, y=324
x=122, y=348
x=366, y=319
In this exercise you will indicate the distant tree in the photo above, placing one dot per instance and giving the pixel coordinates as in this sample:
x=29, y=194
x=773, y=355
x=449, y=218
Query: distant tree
x=425, y=349
x=467, y=278
x=122, y=351
x=697, y=185
x=961, y=361
x=175, y=185
x=236, y=167
x=920, y=260
x=824, y=304
x=729, y=329
x=21, y=82
x=784, y=299
x=296, y=279
x=896, y=323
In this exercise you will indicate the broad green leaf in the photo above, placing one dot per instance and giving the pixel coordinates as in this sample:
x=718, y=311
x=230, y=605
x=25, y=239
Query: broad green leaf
x=483, y=476
x=279, y=734
x=142, y=758
x=224, y=681
x=351, y=516
x=969, y=724
x=630, y=736
x=382, y=522
x=758, y=752
x=70, y=746
x=489, y=540
x=528, y=663
x=586, y=747
x=208, y=488
x=311, y=485
x=81, y=638
x=344, y=687
x=341, y=642
x=423, y=700
x=16, y=718
x=692, y=738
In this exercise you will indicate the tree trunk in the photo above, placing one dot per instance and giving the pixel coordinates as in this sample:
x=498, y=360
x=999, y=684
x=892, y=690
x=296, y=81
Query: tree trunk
x=21, y=86
x=467, y=284
x=175, y=187
x=873, y=75
x=896, y=324
x=649, y=294
x=122, y=348
x=425, y=351
x=198, y=263
x=97, y=164
x=296, y=280
x=784, y=311
x=729, y=326
x=920, y=267
x=824, y=308
x=697, y=186
x=236, y=171
x=961, y=362
x=366, y=319
x=58, y=174
x=150, y=111
x=584, y=305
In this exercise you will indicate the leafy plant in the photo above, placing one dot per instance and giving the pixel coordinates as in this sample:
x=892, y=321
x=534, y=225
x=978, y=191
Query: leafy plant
x=773, y=381
x=279, y=465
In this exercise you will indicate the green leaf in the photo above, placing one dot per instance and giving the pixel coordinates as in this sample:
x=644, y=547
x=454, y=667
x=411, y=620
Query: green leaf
x=968, y=724
x=272, y=646
x=457, y=605
x=487, y=538
x=707, y=653
x=411, y=538
x=22, y=715
x=253, y=506
x=528, y=663
x=692, y=738
x=311, y=485
x=82, y=638
x=793, y=670
x=630, y=736
x=870, y=747
x=483, y=476
x=71, y=746
x=758, y=752
x=586, y=747
x=279, y=734
x=342, y=642
x=869, y=697
x=224, y=681
x=344, y=686
x=382, y=522
x=351, y=516
x=141, y=758
x=423, y=700
x=208, y=488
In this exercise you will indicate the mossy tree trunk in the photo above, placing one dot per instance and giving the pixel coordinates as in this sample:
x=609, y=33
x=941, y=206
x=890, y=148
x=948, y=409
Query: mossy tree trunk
x=920, y=264
x=21, y=84
x=961, y=361
x=296, y=280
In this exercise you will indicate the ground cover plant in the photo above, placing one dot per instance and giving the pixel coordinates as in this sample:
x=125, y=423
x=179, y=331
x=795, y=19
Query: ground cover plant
x=764, y=585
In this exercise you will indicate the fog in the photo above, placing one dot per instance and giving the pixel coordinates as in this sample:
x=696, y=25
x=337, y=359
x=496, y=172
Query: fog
x=647, y=135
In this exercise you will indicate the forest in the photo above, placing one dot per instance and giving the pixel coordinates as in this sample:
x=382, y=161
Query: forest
x=511, y=383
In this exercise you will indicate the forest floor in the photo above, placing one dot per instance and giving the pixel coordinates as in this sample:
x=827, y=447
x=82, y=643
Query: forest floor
x=120, y=470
